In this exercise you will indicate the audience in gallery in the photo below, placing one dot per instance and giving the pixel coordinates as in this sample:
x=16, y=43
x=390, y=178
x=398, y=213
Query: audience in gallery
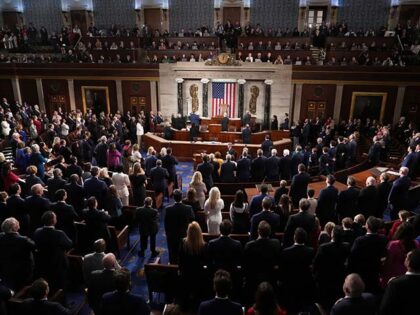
x=280, y=273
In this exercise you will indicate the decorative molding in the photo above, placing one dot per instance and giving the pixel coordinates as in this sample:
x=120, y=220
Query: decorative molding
x=204, y=80
x=179, y=80
x=268, y=82
x=241, y=81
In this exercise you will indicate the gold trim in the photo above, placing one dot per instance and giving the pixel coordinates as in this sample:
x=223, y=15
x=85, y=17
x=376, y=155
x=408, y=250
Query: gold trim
x=105, y=88
x=353, y=102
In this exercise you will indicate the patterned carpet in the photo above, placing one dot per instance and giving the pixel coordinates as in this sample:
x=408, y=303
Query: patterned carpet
x=135, y=263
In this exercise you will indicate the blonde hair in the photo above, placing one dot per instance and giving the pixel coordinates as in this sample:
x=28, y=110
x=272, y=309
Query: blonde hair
x=56, y=141
x=194, y=241
x=136, y=147
x=2, y=157
x=150, y=150
x=329, y=226
x=197, y=179
x=163, y=152
x=137, y=169
x=214, y=196
x=103, y=172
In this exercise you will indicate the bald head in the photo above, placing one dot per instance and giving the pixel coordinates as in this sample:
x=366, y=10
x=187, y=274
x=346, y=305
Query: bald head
x=404, y=171
x=10, y=225
x=353, y=285
x=109, y=261
x=370, y=181
x=37, y=189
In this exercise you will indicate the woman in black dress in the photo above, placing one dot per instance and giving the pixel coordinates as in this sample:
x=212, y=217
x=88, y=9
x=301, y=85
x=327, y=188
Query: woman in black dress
x=138, y=183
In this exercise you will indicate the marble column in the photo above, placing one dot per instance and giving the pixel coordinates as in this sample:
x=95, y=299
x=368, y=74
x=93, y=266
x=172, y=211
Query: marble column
x=153, y=96
x=180, y=93
x=399, y=104
x=70, y=83
x=267, y=104
x=16, y=90
x=40, y=92
x=241, y=97
x=205, y=102
x=297, y=105
x=120, y=102
x=337, y=102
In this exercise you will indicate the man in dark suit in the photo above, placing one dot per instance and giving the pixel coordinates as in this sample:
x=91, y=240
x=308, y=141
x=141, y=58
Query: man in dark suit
x=296, y=282
x=206, y=170
x=265, y=215
x=285, y=165
x=36, y=205
x=159, y=177
x=341, y=154
x=231, y=151
x=150, y=162
x=170, y=162
x=73, y=168
x=327, y=199
x=227, y=170
x=367, y=201
x=94, y=187
x=148, y=220
x=221, y=304
x=5, y=295
x=101, y=282
x=225, y=252
x=302, y=219
x=66, y=215
x=299, y=185
x=401, y=293
x=243, y=168
x=246, y=134
x=352, y=150
x=55, y=183
x=347, y=200
x=16, y=256
x=100, y=152
x=398, y=196
x=374, y=153
x=383, y=189
x=39, y=304
x=260, y=259
x=272, y=166
x=15, y=205
x=329, y=268
x=366, y=255
x=355, y=301
x=51, y=261
x=75, y=194
x=122, y=301
x=177, y=218
x=255, y=206
x=266, y=145
x=247, y=118
x=96, y=223
x=258, y=167
x=225, y=122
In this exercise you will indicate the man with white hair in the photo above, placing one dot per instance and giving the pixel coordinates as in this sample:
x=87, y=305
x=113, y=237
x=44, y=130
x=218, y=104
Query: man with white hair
x=356, y=301
x=16, y=256
x=36, y=205
x=285, y=165
x=227, y=170
x=398, y=196
x=374, y=151
x=272, y=166
x=367, y=202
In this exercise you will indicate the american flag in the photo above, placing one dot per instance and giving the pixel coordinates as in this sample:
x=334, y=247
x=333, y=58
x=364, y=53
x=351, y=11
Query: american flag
x=223, y=93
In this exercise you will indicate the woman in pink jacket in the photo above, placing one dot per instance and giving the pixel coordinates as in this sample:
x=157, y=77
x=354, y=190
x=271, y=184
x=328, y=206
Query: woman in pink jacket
x=113, y=157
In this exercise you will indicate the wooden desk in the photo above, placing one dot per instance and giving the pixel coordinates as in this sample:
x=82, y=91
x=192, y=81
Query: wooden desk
x=233, y=137
x=317, y=186
x=237, y=122
x=184, y=150
x=375, y=172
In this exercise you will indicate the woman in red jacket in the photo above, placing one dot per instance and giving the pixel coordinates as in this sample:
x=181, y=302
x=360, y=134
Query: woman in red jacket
x=8, y=177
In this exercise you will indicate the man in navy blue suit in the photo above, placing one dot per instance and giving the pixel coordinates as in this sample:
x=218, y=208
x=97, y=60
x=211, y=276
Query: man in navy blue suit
x=265, y=215
x=327, y=199
x=398, y=196
x=272, y=166
x=299, y=185
x=246, y=134
x=410, y=161
x=256, y=203
x=221, y=304
x=94, y=187
x=122, y=301
x=243, y=168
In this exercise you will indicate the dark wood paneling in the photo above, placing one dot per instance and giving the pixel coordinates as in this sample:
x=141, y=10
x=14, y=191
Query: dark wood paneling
x=152, y=17
x=232, y=14
x=411, y=104
x=79, y=17
x=317, y=93
x=136, y=89
x=409, y=12
x=111, y=89
x=6, y=89
x=11, y=19
x=389, y=106
x=28, y=91
x=54, y=88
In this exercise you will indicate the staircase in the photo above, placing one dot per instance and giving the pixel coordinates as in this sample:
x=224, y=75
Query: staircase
x=8, y=154
x=315, y=54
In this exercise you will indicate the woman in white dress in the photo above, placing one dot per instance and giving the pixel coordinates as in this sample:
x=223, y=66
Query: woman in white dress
x=200, y=188
x=122, y=183
x=213, y=210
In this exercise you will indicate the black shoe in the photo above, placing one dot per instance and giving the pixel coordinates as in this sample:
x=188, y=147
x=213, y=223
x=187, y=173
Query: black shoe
x=155, y=253
x=141, y=253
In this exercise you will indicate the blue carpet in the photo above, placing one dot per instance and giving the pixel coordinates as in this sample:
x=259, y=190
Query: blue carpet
x=133, y=262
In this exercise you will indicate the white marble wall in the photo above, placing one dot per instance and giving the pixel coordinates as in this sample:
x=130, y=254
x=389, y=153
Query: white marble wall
x=253, y=73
